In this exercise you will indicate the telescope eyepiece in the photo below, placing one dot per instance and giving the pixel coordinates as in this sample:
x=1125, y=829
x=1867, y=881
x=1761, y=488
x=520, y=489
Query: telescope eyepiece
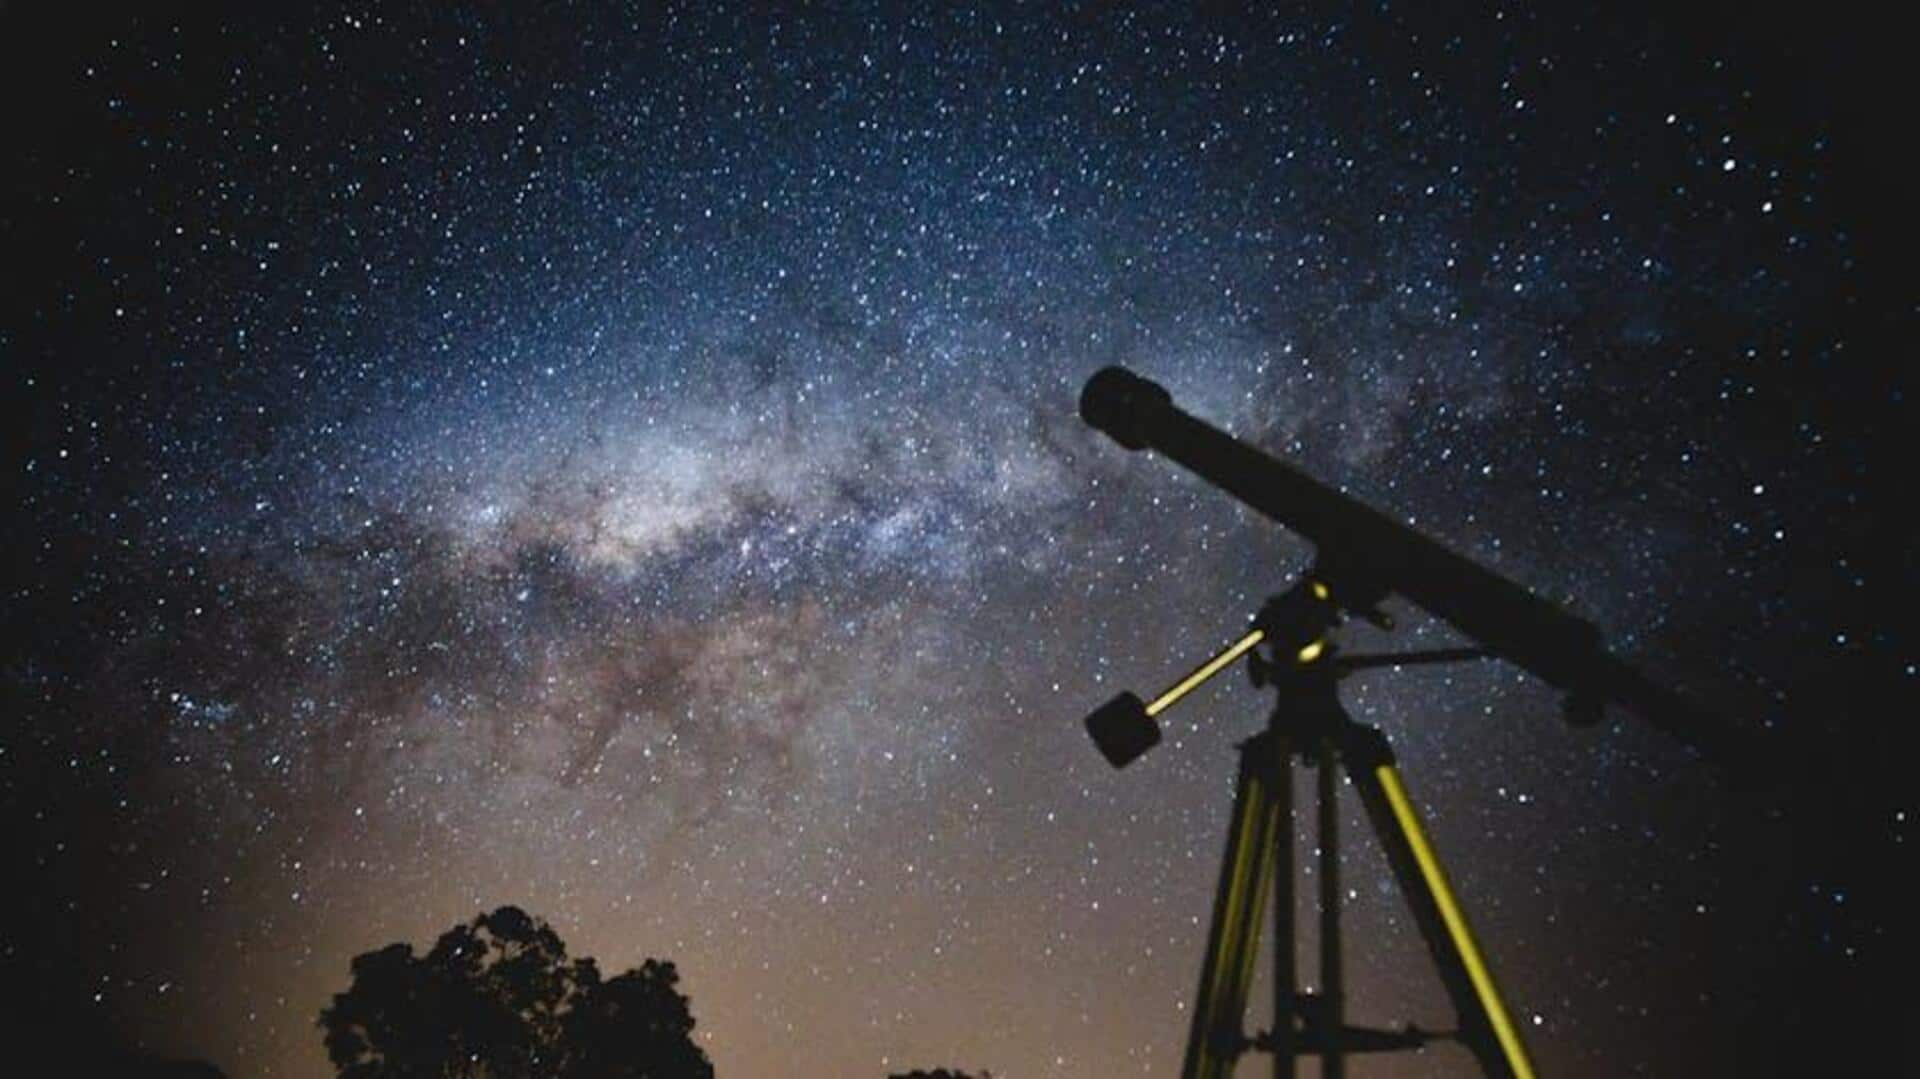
x=1123, y=405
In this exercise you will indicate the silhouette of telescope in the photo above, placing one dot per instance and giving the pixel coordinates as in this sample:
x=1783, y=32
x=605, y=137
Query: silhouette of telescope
x=1364, y=555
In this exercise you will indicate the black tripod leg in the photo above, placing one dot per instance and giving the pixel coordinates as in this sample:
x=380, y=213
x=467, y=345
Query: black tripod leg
x=1331, y=1014
x=1281, y=1041
x=1216, y=1037
x=1485, y=1027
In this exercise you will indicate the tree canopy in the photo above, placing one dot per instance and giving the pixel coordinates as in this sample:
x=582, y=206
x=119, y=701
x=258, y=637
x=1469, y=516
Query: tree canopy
x=499, y=998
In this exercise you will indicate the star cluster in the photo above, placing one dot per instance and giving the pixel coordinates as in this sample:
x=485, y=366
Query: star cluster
x=624, y=463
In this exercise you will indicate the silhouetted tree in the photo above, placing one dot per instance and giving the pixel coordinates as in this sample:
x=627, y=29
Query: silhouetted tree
x=499, y=998
x=632, y=1026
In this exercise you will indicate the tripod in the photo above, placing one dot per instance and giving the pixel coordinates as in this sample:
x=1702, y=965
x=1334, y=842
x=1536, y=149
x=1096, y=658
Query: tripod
x=1310, y=723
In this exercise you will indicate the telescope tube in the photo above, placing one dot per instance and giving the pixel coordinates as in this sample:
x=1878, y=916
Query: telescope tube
x=1364, y=554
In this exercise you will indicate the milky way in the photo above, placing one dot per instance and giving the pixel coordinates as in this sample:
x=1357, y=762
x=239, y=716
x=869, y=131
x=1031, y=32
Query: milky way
x=625, y=465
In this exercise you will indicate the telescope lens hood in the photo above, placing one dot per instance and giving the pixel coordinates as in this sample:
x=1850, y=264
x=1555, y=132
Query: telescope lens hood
x=1123, y=405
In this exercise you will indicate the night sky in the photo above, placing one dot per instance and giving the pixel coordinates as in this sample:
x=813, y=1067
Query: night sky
x=625, y=464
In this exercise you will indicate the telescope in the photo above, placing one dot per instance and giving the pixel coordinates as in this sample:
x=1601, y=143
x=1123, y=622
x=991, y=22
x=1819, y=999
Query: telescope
x=1364, y=555
x=1361, y=557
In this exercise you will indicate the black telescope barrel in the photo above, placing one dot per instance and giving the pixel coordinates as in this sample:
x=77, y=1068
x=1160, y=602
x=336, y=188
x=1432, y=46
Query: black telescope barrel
x=1515, y=624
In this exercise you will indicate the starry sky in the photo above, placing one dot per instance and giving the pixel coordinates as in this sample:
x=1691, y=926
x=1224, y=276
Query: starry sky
x=624, y=463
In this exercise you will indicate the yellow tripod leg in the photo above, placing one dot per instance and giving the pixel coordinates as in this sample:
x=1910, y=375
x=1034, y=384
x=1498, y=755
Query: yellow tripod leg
x=1233, y=942
x=1407, y=825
